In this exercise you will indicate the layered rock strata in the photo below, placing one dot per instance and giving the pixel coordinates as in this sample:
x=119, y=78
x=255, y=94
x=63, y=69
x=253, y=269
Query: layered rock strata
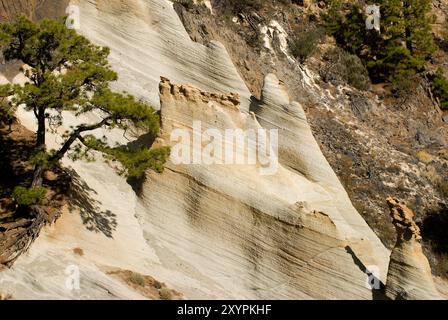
x=409, y=276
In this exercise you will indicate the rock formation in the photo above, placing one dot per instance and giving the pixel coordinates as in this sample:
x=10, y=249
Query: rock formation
x=409, y=276
x=280, y=235
x=35, y=9
x=207, y=230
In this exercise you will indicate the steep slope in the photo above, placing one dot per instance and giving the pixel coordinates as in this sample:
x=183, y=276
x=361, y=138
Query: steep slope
x=209, y=231
x=243, y=235
x=36, y=9
x=409, y=275
x=378, y=142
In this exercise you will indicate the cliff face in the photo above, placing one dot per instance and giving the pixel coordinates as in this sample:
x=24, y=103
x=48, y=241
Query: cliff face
x=35, y=9
x=9, y=9
x=208, y=231
x=286, y=235
x=409, y=276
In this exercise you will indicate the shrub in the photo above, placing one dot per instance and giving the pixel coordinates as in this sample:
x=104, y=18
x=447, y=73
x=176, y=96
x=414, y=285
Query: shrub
x=138, y=279
x=165, y=294
x=439, y=87
x=424, y=157
x=345, y=67
x=28, y=197
x=303, y=45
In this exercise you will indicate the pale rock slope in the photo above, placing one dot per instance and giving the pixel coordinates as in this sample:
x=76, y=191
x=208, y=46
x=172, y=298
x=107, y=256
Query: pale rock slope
x=409, y=276
x=208, y=231
x=239, y=234
x=148, y=40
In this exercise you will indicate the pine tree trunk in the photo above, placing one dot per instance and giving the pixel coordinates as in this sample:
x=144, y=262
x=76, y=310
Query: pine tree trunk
x=37, y=176
x=407, y=31
x=40, y=146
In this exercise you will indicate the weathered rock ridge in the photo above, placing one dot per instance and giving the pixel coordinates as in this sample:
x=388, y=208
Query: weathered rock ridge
x=409, y=276
x=208, y=231
x=282, y=236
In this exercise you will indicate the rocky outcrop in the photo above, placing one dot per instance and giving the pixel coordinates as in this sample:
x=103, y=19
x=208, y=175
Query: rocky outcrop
x=409, y=276
x=266, y=236
x=9, y=9
x=35, y=9
x=147, y=40
x=206, y=230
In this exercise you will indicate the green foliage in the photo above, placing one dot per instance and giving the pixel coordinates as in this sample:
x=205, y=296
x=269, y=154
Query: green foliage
x=407, y=40
x=347, y=25
x=68, y=73
x=402, y=47
x=345, y=67
x=440, y=88
x=29, y=197
x=304, y=44
x=134, y=161
x=165, y=294
x=7, y=113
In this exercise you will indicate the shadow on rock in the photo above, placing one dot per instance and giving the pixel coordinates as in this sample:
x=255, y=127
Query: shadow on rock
x=93, y=218
x=434, y=230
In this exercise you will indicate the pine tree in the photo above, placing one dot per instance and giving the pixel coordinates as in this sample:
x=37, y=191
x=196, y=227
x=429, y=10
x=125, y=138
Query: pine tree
x=68, y=73
x=406, y=38
x=402, y=47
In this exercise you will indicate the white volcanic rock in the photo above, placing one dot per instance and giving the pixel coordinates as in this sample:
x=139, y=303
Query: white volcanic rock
x=208, y=231
x=409, y=276
x=237, y=234
x=147, y=40
x=299, y=151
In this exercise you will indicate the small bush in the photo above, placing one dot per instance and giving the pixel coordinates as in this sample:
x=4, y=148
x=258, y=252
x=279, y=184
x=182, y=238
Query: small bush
x=424, y=157
x=165, y=294
x=345, y=67
x=138, y=279
x=304, y=44
x=28, y=197
x=440, y=88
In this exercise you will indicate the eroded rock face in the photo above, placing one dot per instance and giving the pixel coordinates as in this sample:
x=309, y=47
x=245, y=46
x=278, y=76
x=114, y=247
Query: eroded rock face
x=409, y=275
x=147, y=40
x=238, y=234
x=208, y=231
x=35, y=9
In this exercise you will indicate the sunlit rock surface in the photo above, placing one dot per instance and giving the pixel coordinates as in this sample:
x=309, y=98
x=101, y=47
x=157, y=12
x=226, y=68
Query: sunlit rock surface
x=208, y=231
x=238, y=234
x=409, y=276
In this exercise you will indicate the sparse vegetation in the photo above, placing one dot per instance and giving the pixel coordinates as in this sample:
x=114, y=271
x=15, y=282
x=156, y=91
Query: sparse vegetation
x=146, y=285
x=188, y=4
x=68, y=73
x=436, y=180
x=424, y=157
x=28, y=197
x=345, y=67
x=165, y=294
x=138, y=279
x=304, y=44
x=244, y=5
x=439, y=87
